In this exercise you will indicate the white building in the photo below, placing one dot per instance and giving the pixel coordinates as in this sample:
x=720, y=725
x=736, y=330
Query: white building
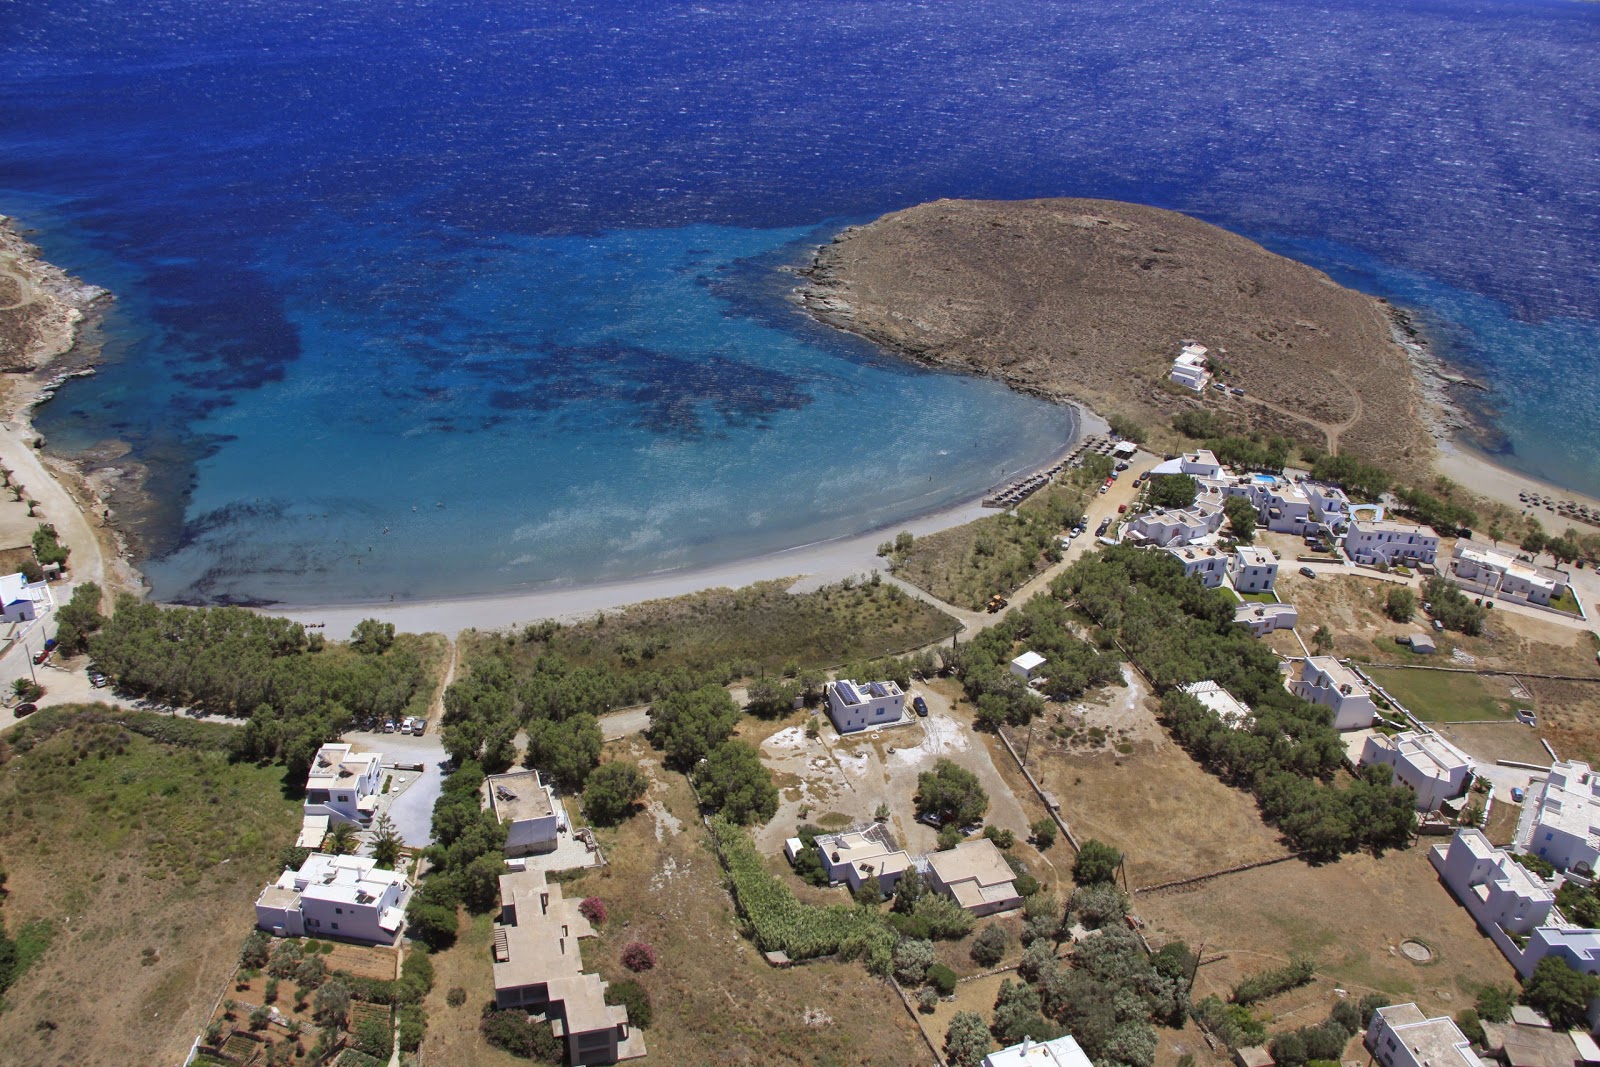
x=1208, y=564
x=335, y=896
x=852, y=858
x=1062, y=1052
x=1493, y=886
x=1566, y=818
x=342, y=785
x=1263, y=619
x=853, y=706
x=1233, y=712
x=1167, y=527
x=1429, y=764
x=1200, y=465
x=529, y=811
x=1580, y=948
x=1401, y=1036
x=1026, y=666
x=1189, y=369
x=1324, y=680
x=1374, y=541
x=22, y=600
x=1501, y=572
x=1297, y=507
x=1253, y=569
x=539, y=969
x=975, y=875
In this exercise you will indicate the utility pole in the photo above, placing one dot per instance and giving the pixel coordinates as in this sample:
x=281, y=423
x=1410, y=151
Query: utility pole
x=1028, y=746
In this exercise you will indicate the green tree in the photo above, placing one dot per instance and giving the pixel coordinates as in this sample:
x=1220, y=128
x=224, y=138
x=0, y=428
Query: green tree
x=912, y=958
x=372, y=637
x=1126, y=428
x=1241, y=518
x=989, y=947
x=951, y=794
x=332, y=1003
x=1172, y=490
x=869, y=894
x=386, y=842
x=688, y=725
x=1400, y=604
x=1322, y=641
x=733, y=781
x=342, y=839
x=566, y=750
x=633, y=996
x=1044, y=833
x=1560, y=993
x=612, y=791
x=908, y=890
x=373, y=1036
x=967, y=1042
x=1494, y=1002
x=1096, y=862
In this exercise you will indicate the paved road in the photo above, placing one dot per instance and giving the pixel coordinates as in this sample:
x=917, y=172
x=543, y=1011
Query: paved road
x=412, y=811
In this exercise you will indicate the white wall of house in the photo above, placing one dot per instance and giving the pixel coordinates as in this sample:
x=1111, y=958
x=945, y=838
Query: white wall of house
x=857, y=706
x=1390, y=542
x=1566, y=821
x=334, y=896
x=1324, y=681
x=1209, y=565
x=1400, y=1036
x=1253, y=570
x=1430, y=765
x=339, y=781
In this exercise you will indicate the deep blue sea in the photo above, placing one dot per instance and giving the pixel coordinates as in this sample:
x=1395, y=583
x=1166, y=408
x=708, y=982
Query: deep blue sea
x=429, y=298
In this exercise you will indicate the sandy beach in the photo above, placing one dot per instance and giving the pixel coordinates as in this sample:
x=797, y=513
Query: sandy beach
x=1483, y=476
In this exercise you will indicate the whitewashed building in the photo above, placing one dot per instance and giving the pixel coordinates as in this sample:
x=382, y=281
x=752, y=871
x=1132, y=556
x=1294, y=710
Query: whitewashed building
x=1496, y=889
x=1190, y=368
x=1263, y=619
x=1027, y=666
x=975, y=875
x=1486, y=568
x=1207, y=564
x=342, y=785
x=1430, y=765
x=529, y=811
x=1566, y=818
x=1253, y=569
x=1169, y=527
x=1201, y=465
x=851, y=858
x=855, y=706
x=1324, y=680
x=1060, y=1052
x=1374, y=541
x=346, y=897
x=1401, y=1036
x=1232, y=711
x=22, y=600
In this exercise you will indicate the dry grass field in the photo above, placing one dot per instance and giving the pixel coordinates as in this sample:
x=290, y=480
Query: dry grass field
x=1350, y=915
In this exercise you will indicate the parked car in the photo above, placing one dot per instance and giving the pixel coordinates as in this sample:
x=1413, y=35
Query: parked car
x=1307, y=572
x=97, y=680
x=50, y=644
x=388, y=726
x=25, y=709
x=1105, y=524
x=1122, y=466
x=1517, y=794
x=419, y=727
x=41, y=656
x=1103, y=489
x=1438, y=626
x=920, y=706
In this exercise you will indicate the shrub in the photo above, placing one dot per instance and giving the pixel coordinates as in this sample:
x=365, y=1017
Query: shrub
x=515, y=1033
x=912, y=958
x=989, y=947
x=1098, y=904
x=1270, y=983
x=927, y=1000
x=1400, y=604
x=413, y=1023
x=638, y=956
x=593, y=909
x=635, y=998
x=942, y=978
x=1002, y=838
x=255, y=951
x=1494, y=1003
x=1044, y=833
x=1096, y=862
x=373, y=1036
x=1471, y=1026
x=456, y=997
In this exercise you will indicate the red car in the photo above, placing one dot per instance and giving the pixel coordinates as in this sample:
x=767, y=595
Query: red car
x=1121, y=508
x=40, y=657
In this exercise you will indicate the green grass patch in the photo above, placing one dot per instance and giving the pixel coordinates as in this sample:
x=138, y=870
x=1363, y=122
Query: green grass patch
x=1442, y=696
x=1565, y=602
x=1258, y=598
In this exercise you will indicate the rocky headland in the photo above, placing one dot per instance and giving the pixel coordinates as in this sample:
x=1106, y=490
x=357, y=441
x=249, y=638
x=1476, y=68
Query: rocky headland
x=1089, y=300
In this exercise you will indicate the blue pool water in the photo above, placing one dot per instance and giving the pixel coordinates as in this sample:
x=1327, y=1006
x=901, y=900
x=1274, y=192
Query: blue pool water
x=522, y=261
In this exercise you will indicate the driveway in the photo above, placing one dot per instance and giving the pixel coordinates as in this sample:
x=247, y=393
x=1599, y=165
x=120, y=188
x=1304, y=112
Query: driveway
x=412, y=810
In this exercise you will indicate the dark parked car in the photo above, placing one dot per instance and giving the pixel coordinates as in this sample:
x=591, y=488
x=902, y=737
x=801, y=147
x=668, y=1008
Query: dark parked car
x=25, y=709
x=920, y=705
x=1307, y=572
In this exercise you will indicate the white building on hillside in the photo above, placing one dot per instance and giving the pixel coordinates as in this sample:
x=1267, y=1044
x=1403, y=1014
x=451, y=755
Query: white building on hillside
x=539, y=969
x=1579, y=948
x=853, y=706
x=1374, y=541
x=1566, y=818
x=1324, y=680
x=1232, y=711
x=1401, y=1036
x=1493, y=886
x=1253, y=569
x=1208, y=564
x=1486, y=568
x=335, y=896
x=1189, y=369
x=975, y=875
x=1168, y=527
x=22, y=600
x=854, y=857
x=1429, y=764
x=1263, y=619
x=529, y=811
x=1200, y=465
x=1297, y=507
x=342, y=784
x=1027, y=665
x=1062, y=1052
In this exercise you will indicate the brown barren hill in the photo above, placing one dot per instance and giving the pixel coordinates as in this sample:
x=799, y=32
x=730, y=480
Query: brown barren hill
x=1090, y=300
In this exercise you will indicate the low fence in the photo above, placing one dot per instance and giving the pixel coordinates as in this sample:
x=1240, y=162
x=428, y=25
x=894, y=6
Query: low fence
x=1049, y=802
x=1196, y=879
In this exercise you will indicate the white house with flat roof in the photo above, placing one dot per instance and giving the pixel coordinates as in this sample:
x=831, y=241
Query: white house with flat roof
x=1487, y=568
x=22, y=600
x=1374, y=541
x=1263, y=619
x=1253, y=569
x=1324, y=680
x=1401, y=1036
x=1578, y=947
x=1433, y=767
x=1027, y=666
x=1233, y=712
x=852, y=858
x=1061, y=1052
x=1496, y=889
x=538, y=969
x=335, y=896
x=1189, y=369
x=1200, y=464
x=1210, y=565
x=342, y=784
x=1166, y=527
x=857, y=706
x=975, y=875
x=1566, y=818
x=529, y=811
